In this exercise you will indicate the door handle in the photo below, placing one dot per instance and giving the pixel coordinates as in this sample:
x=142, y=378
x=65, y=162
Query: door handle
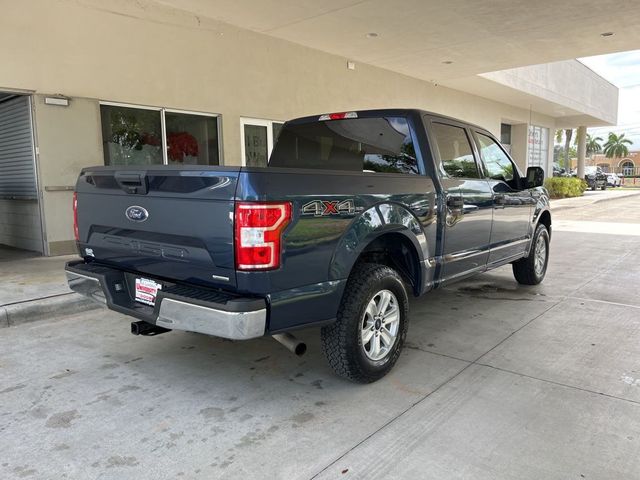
x=499, y=200
x=455, y=202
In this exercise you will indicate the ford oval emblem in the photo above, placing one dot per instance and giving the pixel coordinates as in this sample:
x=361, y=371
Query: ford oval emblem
x=136, y=213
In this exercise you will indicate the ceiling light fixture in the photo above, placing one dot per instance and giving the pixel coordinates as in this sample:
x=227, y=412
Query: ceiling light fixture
x=448, y=62
x=371, y=35
x=606, y=34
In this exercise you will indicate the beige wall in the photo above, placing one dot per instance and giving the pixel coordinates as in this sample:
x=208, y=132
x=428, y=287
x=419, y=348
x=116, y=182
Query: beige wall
x=68, y=139
x=162, y=57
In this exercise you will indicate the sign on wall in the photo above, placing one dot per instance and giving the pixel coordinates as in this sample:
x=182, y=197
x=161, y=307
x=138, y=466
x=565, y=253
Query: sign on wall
x=538, y=147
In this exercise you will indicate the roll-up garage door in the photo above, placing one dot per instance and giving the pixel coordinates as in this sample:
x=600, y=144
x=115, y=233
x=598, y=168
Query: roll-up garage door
x=17, y=173
x=20, y=219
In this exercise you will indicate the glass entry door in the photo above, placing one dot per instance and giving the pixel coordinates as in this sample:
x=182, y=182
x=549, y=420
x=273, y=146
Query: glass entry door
x=258, y=138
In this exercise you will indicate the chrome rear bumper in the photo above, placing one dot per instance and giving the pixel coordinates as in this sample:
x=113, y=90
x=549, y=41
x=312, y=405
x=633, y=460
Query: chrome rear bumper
x=236, y=318
x=179, y=315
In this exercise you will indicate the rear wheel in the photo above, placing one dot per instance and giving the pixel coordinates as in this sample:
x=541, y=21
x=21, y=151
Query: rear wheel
x=532, y=269
x=366, y=340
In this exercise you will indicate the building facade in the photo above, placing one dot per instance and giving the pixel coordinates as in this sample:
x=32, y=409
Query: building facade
x=144, y=83
x=628, y=166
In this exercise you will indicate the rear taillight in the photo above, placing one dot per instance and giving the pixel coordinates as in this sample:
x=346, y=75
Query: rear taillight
x=76, y=233
x=258, y=234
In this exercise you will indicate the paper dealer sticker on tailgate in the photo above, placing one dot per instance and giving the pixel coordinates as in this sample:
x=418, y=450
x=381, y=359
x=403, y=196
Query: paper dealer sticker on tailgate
x=146, y=291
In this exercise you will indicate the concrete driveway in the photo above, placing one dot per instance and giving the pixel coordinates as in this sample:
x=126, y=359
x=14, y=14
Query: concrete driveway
x=498, y=381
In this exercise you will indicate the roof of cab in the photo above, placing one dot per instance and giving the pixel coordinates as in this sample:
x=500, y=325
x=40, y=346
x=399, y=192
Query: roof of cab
x=386, y=112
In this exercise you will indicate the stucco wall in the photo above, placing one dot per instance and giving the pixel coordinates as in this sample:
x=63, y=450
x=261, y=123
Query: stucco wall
x=166, y=58
x=68, y=139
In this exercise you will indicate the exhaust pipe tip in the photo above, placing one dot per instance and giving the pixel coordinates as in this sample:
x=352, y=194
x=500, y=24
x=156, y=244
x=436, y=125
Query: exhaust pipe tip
x=291, y=343
x=300, y=349
x=146, y=329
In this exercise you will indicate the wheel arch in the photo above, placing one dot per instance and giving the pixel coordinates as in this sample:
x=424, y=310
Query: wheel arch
x=388, y=234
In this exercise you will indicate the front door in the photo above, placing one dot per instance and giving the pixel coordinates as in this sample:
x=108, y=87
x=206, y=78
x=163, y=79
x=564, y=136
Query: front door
x=512, y=201
x=467, y=228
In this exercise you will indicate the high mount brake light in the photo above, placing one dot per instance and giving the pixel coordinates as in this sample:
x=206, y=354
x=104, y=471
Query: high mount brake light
x=258, y=234
x=338, y=116
x=76, y=232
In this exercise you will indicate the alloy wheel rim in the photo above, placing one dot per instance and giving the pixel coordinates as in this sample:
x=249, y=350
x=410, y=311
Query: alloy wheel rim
x=540, y=255
x=380, y=325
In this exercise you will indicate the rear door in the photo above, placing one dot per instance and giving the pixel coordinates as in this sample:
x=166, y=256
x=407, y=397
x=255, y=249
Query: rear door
x=467, y=227
x=172, y=222
x=512, y=202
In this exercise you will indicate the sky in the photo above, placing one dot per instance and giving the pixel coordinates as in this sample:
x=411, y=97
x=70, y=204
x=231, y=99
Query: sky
x=623, y=70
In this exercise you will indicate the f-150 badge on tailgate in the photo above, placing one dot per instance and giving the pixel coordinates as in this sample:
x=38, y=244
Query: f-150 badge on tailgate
x=320, y=208
x=136, y=213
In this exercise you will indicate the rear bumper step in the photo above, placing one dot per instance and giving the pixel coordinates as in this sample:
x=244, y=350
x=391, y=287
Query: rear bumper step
x=177, y=307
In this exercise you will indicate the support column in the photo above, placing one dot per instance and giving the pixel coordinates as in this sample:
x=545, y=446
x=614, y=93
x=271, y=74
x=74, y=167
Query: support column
x=582, y=150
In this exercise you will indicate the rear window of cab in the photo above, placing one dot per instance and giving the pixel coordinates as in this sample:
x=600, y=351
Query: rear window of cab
x=379, y=144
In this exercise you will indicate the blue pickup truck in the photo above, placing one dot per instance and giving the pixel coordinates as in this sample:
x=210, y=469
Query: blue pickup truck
x=355, y=212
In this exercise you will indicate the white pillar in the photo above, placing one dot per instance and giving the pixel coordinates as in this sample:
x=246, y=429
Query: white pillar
x=582, y=150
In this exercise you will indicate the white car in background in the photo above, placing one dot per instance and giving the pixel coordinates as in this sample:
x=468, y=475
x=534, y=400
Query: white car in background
x=613, y=180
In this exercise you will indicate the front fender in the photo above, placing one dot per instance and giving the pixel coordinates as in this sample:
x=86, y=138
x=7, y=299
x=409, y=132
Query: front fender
x=369, y=225
x=542, y=204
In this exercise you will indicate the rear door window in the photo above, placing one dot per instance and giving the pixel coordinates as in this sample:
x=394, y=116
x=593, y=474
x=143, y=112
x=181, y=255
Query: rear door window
x=456, y=155
x=382, y=144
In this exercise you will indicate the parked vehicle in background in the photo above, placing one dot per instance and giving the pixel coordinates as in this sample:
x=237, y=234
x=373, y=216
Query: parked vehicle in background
x=354, y=212
x=595, y=178
x=558, y=171
x=613, y=179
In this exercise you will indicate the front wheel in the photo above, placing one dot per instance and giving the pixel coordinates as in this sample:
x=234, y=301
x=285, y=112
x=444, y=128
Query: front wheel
x=366, y=340
x=532, y=269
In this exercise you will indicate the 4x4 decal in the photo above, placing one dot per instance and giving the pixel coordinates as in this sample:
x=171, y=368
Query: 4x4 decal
x=320, y=208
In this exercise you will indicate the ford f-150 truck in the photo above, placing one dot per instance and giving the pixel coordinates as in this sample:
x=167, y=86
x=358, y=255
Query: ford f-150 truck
x=354, y=212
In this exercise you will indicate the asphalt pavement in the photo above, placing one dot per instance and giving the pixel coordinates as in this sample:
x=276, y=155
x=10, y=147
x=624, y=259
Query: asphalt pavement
x=498, y=381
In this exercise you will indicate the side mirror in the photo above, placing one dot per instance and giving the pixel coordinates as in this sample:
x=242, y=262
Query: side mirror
x=535, y=177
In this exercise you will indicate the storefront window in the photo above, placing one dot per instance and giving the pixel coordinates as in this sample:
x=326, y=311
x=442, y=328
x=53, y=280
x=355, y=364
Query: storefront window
x=131, y=136
x=134, y=136
x=191, y=139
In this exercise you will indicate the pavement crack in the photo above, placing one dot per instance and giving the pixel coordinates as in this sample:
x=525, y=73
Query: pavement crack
x=560, y=384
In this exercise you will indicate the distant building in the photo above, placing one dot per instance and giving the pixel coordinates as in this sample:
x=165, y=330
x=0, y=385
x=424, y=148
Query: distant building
x=628, y=166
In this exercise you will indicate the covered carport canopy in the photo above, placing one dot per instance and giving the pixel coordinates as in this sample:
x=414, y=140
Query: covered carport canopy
x=434, y=40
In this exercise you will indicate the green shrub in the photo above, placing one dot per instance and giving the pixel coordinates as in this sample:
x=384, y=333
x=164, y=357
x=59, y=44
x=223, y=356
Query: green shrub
x=565, y=187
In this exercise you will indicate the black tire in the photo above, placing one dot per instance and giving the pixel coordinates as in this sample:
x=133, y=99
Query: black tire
x=604, y=187
x=524, y=270
x=342, y=342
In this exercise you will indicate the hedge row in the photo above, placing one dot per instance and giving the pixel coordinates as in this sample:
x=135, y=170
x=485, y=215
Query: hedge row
x=565, y=187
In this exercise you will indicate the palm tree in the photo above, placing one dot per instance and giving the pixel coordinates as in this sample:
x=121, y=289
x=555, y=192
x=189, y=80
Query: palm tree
x=568, y=133
x=616, y=146
x=593, y=145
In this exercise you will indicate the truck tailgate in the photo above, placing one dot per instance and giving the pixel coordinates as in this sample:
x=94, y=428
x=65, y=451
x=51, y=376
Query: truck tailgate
x=171, y=222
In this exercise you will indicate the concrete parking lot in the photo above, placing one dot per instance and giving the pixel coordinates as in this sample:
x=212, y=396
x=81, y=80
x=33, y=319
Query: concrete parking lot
x=499, y=381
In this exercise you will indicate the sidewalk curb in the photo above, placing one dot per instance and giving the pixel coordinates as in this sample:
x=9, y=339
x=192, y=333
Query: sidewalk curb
x=44, y=308
x=598, y=200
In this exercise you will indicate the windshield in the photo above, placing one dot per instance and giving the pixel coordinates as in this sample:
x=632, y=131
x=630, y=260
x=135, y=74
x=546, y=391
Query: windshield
x=381, y=144
x=590, y=170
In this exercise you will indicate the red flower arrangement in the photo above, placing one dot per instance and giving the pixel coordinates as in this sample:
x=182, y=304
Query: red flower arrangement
x=180, y=144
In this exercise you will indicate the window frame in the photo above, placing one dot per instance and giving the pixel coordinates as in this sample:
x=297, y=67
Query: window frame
x=163, y=125
x=257, y=122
